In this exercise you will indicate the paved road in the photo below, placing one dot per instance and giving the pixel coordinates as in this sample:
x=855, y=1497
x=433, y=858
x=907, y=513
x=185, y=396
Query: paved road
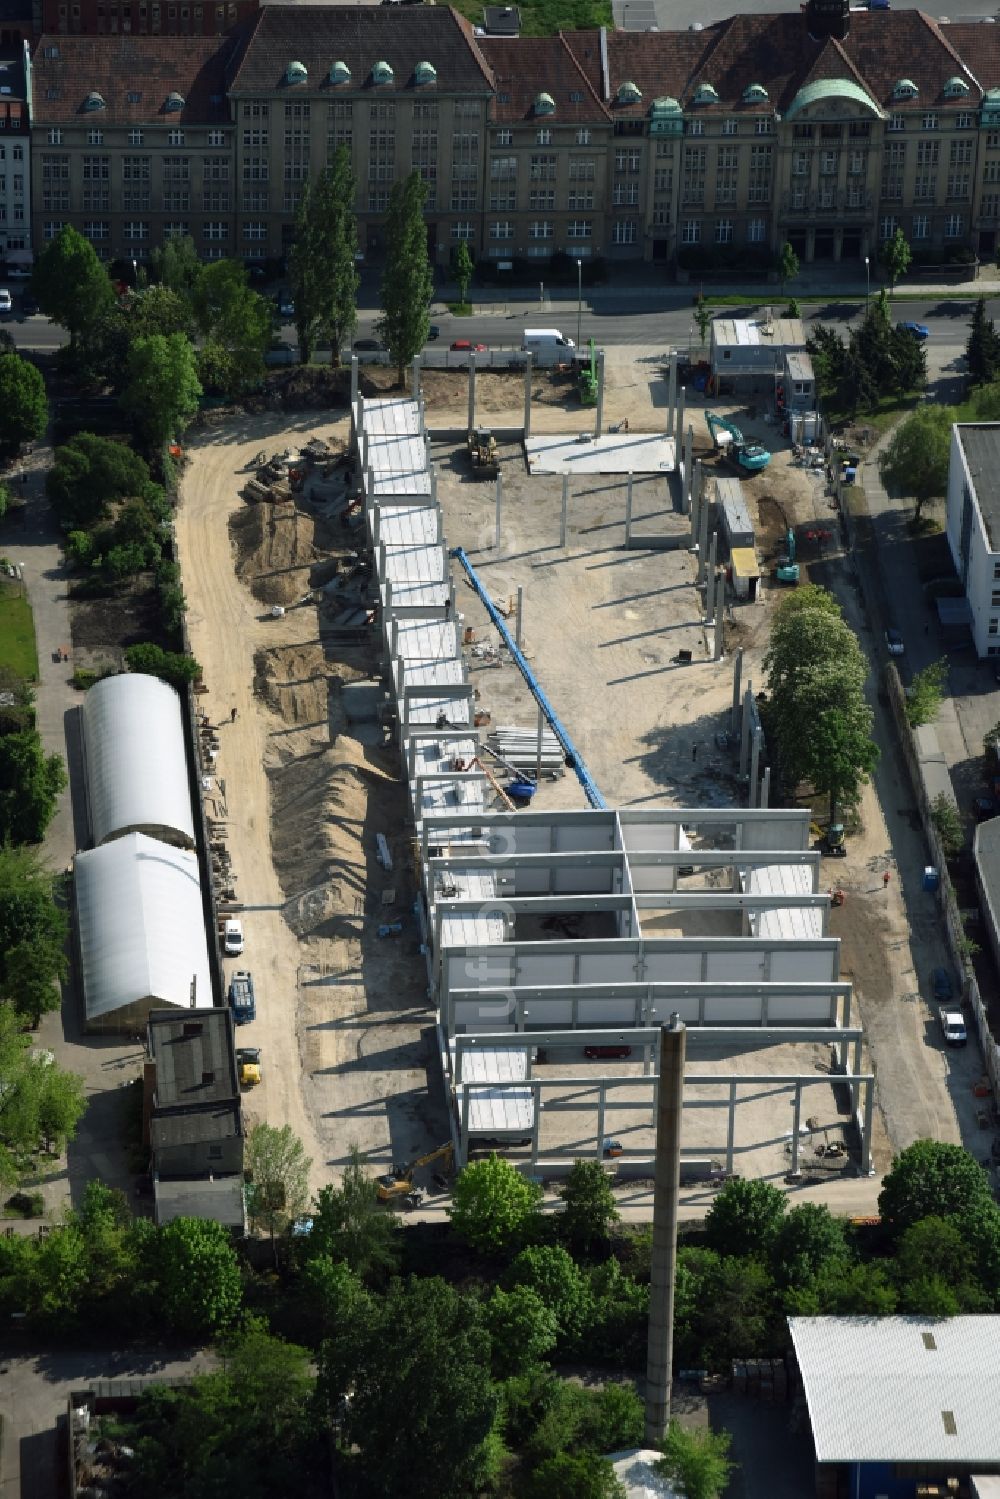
x=33, y=1392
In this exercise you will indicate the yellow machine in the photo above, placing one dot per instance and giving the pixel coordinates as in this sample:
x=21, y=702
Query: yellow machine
x=482, y=446
x=399, y=1184
x=248, y=1064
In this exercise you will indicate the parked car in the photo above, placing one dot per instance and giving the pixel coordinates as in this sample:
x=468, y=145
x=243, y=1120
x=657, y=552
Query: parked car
x=983, y=808
x=595, y=1052
x=233, y=937
x=6, y=300
x=286, y=304
x=19, y=272
x=367, y=346
x=919, y=330
x=894, y=642
x=433, y=332
x=941, y=981
x=465, y=346
x=952, y=1023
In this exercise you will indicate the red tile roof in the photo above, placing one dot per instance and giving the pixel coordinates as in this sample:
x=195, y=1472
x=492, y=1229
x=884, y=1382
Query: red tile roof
x=524, y=68
x=119, y=67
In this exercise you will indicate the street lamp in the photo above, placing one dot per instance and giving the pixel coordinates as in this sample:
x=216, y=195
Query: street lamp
x=868, y=281
x=579, y=299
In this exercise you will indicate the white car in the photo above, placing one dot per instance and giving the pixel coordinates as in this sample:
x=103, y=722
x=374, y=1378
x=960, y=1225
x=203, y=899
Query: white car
x=232, y=938
x=6, y=301
x=952, y=1022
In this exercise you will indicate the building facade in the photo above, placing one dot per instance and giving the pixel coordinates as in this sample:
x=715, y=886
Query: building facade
x=972, y=524
x=15, y=156
x=707, y=147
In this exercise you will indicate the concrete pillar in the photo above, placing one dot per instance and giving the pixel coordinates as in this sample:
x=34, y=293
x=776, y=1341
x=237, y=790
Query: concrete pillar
x=527, y=396
x=681, y=402
x=720, y=616
x=541, y=733
x=354, y=380
x=565, y=510
x=666, y=1190
x=599, y=418
x=519, y=616
x=737, y=673
x=713, y=547
x=796, y=1121
x=628, y=511
x=702, y=543
x=745, y=735
x=866, y=1132
x=496, y=537
x=472, y=393
x=671, y=393
x=765, y=788
x=754, y=766
x=416, y=378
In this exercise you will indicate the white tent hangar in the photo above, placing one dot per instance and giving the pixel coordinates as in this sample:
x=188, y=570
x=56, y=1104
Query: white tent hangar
x=136, y=763
x=141, y=931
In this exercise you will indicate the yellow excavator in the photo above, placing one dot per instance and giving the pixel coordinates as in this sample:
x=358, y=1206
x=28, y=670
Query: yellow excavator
x=398, y=1185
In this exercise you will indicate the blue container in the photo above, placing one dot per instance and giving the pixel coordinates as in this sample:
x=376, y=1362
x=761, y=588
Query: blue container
x=521, y=791
x=931, y=878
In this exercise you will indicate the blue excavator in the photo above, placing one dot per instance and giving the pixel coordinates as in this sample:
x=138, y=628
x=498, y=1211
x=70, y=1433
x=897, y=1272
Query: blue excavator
x=729, y=440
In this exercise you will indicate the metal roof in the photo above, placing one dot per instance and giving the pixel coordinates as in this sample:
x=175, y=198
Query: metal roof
x=141, y=925
x=980, y=443
x=901, y=1389
x=136, y=762
x=753, y=333
x=803, y=923
x=195, y=1057
x=504, y=1109
x=800, y=366
x=831, y=88
x=216, y=1197
x=986, y=852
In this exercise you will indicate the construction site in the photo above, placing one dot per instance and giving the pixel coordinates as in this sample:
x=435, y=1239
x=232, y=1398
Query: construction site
x=498, y=802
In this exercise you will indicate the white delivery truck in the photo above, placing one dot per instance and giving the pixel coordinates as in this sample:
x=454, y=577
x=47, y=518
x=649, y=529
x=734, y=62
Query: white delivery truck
x=547, y=346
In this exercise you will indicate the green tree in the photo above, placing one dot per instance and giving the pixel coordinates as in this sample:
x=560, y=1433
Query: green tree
x=30, y=786
x=808, y=1238
x=89, y=473
x=350, y=1225
x=235, y=324
x=421, y=1403
x=522, y=1328
x=551, y=1272
x=698, y=1459
x=323, y=264
x=493, y=1205
x=33, y=932
x=745, y=1218
x=30, y=1086
x=176, y=265
x=895, y=254
x=71, y=284
x=408, y=281
x=843, y=1289
x=907, y=362
x=174, y=668
x=583, y=1475
x=24, y=408
x=923, y=696
x=60, y=1106
x=787, y=265
x=935, y=1253
x=829, y=357
x=162, y=387
x=703, y=317
x=462, y=269
x=792, y=310
x=589, y=1206
x=277, y=1176
x=983, y=348
x=948, y=824
x=195, y=1277
x=916, y=457
x=931, y=1179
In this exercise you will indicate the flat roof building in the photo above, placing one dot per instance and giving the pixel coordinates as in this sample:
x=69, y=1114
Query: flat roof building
x=972, y=524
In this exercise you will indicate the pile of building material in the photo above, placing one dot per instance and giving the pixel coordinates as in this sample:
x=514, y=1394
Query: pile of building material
x=519, y=747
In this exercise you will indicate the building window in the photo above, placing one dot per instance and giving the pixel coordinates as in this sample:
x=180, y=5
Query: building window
x=896, y=122
x=994, y=626
x=582, y=168
x=216, y=137
x=958, y=184
x=541, y=229
x=504, y=138
x=800, y=164
x=55, y=137
x=135, y=229
x=857, y=164
x=135, y=137
x=175, y=137
x=991, y=172
x=95, y=137
x=887, y=227
x=756, y=231
x=954, y=226
x=463, y=231
x=503, y=202
x=583, y=137
x=624, y=232
x=691, y=232
x=255, y=231
x=255, y=111
x=542, y=169
x=179, y=230
x=924, y=187
x=828, y=163
x=960, y=154
x=579, y=229
x=543, y=137
x=798, y=197
x=503, y=168
x=965, y=121
x=625, y=194
x=929, y=121
x=255, y=169
x=542, y=198
x=763, y=125
x=255, y=202
x=252, y=139
x=51, y=228
x=696, y=127
x=730, y=127
x=724, y=232
x=989, y=205
x=96, y=229
x=502, y=229
x=216, y=230
x=580, y=198
x=378, y=199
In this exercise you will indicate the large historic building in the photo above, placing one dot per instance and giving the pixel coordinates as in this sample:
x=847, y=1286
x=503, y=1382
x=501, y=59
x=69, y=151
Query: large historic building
x=827, y=129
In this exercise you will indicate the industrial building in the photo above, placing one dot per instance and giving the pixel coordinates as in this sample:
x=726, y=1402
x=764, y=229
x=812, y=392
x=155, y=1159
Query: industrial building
x=972, y=523
x=543, y=926
x=193, y=1116
x=135, y=762
x=140, y=931
x=901, y=1407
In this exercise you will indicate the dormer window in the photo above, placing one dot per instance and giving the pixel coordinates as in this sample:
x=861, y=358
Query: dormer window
x=296, y=72
x=173, y=104
x=955, y=88
x=93, y=102
x=629, y=92
x=705, y=94
x=340, y=73
x=756, y=94
x=382, y=74
x=544, y=104
x=424, y=73
x=905, y=88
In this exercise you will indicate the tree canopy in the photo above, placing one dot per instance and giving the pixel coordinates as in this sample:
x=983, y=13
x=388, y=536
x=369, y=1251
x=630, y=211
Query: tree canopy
x=33, y=932
x=492, y=1204
x=277, y=1170
x=408, y=280
x=197, y=1276
x=40, y=1103
x=89, y=473
x=983, y=348
x=932, y=1179
x=589, y=1207
x=895, y=254
x=349, y=1224
x=322, y=264
x=24, y=406
x=745, y=1217
x=916, y=457
x=162, y=387
x=235, y=324
x=698, y=1459
x=70, y=282
x=30, y=784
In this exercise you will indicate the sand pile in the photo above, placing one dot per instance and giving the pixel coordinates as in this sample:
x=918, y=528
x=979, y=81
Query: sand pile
x=275, y=551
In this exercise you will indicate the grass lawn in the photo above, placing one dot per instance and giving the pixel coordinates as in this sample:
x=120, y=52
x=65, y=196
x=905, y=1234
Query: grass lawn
x=546, y=17
x=890, y=409
x=17, y=636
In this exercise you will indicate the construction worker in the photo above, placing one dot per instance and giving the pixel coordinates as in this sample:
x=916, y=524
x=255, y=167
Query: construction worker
x=885, y=880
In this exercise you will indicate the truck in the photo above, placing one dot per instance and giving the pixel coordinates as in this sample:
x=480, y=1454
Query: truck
x=952, y=1023
x=547, y=346
x=242, y=1000
x=729, y=441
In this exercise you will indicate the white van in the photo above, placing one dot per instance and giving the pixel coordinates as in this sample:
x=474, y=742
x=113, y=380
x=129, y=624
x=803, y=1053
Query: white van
x=232, y=938
x=548, y=346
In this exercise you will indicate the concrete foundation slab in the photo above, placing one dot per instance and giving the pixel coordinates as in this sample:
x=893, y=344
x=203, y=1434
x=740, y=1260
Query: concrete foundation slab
x=614, y=453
